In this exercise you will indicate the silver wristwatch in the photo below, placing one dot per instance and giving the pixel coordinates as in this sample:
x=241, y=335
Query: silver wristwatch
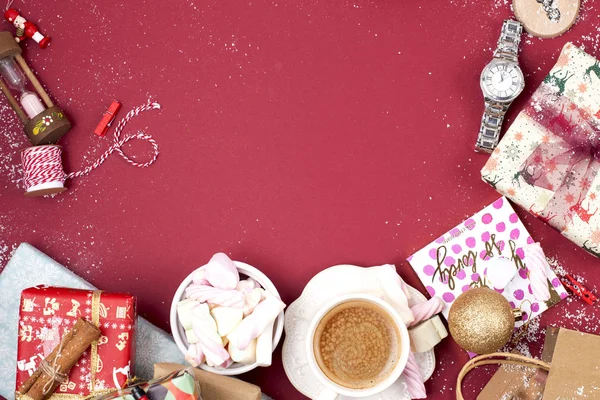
x=501, y=82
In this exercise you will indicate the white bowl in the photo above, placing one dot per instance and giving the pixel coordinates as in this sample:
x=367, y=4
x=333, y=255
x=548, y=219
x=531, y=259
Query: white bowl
x=179, y=332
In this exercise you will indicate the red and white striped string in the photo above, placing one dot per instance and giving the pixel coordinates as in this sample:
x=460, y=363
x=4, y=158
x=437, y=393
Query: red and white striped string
x=42, y=165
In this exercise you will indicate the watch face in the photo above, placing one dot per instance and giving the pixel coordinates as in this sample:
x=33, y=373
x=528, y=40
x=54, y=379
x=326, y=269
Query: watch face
x=502, y=80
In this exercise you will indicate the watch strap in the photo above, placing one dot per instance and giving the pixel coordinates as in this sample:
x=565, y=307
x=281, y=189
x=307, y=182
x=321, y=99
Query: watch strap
x=510, y=38
x=491, y=124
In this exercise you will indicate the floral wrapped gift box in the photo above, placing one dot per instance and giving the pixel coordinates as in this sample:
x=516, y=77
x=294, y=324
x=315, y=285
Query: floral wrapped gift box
x=548, y=160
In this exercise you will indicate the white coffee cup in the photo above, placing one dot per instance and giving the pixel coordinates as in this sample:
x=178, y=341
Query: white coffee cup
x=333, y=390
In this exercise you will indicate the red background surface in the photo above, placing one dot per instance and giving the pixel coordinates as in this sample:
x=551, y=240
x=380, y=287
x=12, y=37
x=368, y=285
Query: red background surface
x=293, y=136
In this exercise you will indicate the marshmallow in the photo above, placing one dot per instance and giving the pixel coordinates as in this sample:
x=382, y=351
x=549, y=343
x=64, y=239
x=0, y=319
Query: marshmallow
x=184, y=312
x=191, y=336
x=425, y=310
x=264, y=346
x=227, y=319
x=499, y=272
x=246, y=356
x=209, y=294
x=247, y=285
x=199, y=277
x=194, y=355
x=210, y=342
x=221, y=272
x=538, y=271
x=393, y=288
x=254, y=324
x=414, y=378
x=252, y=299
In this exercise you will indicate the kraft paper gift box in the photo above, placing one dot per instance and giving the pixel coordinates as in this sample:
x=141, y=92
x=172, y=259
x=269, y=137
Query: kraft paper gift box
x=47, y=313
x=178, y=385
x=548, y=160
x=215, y=387
x=29, y=267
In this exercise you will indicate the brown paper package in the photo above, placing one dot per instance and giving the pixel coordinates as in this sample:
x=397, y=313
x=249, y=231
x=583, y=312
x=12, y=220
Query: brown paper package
x=215, y=387
x=74, y=343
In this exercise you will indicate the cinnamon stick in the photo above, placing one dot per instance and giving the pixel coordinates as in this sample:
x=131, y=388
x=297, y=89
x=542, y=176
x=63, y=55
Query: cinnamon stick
x=74, y=343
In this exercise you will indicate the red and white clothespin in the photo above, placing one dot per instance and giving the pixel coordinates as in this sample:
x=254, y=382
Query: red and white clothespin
x=578, y=289
x=107, y=118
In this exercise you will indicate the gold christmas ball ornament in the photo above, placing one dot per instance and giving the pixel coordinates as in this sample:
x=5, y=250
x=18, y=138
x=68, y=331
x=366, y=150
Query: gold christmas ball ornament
x=481, y=320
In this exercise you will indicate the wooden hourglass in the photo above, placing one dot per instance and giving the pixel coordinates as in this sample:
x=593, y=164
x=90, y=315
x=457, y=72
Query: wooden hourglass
x=42, y=124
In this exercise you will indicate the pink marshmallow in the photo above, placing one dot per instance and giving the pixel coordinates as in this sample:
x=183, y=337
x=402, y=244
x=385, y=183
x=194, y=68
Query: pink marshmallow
x=424, y=311
x=194, y=355
x=254, y=324
x=413, y=378
x=211, y=295
x=538, y=271
x=199, y=277
x=221, y=272
x=209, y=341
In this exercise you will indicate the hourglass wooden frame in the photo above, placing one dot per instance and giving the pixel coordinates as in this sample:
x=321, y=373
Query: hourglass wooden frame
x=49, y=125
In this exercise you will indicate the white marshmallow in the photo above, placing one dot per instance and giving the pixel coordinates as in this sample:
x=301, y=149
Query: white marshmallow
x=194, y=355
x=184, y=312
x=246, y=356
x=499, y=272
x=227, y=319
x=246, y=285
x=254, y=324
x=199, y=277
x=252, y=299
x=191, y=336
x=264, y=346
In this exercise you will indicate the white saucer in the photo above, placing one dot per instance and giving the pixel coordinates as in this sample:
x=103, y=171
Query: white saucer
x=327, y=284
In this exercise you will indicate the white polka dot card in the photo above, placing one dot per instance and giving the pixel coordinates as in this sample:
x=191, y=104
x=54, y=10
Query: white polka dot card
x=459, y=260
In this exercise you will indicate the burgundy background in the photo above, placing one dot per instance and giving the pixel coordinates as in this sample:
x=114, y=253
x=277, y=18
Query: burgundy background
x=293, y=136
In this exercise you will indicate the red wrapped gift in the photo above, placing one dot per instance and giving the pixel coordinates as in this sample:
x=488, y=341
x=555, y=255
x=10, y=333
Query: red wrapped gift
x=47, y=313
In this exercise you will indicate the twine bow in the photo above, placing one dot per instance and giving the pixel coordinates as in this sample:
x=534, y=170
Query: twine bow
x=53, y=371
x=566, y=163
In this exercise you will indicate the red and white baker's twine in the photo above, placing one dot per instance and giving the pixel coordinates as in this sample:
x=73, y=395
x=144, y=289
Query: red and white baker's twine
x=43, y=164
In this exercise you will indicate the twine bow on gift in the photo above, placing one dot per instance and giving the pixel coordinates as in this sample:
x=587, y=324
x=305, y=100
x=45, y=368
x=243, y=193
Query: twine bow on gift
x=53, y=371
x=565, y=163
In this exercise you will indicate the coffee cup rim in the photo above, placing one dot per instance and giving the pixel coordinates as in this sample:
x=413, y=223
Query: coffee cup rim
x=392, y=377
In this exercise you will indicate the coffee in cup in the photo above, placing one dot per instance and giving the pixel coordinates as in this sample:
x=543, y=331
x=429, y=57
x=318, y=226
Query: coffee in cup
x=357, y=344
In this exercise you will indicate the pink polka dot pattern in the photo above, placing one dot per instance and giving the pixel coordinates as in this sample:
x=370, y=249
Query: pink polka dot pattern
x=456, y=248
x=461, y=274
x=483, y=255
x=449, y=297
x=520, y=253
x=429, y=270
x=563, y=295
x=471, y=242
x=498, y=203
x=487, y=218
x=514, y=218
x=474, y=277
x=519, y=295
x=535, y=307
x=501, y=244
x=465, y=288
x=525, y=317
x=555, y=282
x=449, y=261
x=470, y=224
x=514, y=234
x=455, y=232
x=522, y=273
x=500, y=227
x=530, y=240
x=433, y=253
x=440, y=239
x=485, y=236
x=430, y=290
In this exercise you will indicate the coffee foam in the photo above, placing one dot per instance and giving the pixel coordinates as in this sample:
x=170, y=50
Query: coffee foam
x=357, y=344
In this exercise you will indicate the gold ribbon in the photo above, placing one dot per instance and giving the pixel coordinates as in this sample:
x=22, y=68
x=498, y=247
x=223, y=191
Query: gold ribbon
x=96, y=321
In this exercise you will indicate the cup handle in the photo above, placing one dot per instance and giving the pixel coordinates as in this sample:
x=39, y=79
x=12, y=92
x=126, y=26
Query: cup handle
x=327, y=394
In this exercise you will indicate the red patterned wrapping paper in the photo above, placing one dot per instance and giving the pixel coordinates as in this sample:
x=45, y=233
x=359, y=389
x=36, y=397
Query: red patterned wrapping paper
x=47, y=313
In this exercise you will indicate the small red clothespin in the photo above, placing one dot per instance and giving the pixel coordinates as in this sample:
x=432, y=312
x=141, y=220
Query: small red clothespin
x=107, y=118
x=578, y=289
